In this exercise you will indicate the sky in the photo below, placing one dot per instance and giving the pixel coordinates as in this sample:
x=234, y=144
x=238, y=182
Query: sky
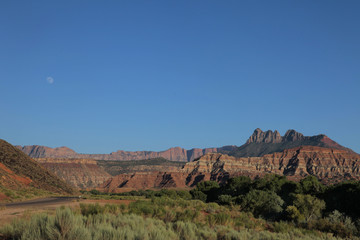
x=99, y=76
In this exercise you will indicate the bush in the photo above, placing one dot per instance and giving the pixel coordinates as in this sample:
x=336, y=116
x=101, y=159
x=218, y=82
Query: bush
x=309, y=207
x=91, y=209
x=225, y=199
x=262, y=203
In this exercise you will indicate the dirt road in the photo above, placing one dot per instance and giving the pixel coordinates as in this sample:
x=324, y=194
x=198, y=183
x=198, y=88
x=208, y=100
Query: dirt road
x=40, y=202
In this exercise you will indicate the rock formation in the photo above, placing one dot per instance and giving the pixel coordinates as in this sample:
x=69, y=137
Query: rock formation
x=172, y=154
x=328, y=164
x=259, y=144
x=79, y=173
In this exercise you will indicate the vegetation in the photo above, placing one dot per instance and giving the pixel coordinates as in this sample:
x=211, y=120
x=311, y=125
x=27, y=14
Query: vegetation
x=23, y=193
x=160, y=218
x=308, y=204
x=265, y=208
x=118, y=167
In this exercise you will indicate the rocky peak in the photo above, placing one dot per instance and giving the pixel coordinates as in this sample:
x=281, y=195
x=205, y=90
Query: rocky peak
x=274, y=137
x=292, y=136
x=264, y=137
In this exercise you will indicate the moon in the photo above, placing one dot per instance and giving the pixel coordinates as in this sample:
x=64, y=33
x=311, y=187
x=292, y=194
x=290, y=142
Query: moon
x=50, y=80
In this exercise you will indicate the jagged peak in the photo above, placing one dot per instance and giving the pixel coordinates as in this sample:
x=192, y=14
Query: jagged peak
x=292, y=135
x=267, y=137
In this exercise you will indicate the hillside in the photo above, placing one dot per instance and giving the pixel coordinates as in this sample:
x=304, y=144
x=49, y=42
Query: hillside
x=328, y=164
x=19, y=171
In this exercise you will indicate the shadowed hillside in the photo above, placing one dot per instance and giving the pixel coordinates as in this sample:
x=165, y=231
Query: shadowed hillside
x=19, y=171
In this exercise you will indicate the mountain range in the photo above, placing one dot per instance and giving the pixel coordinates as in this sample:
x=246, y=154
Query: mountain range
x=292, y=154
x=259, y=144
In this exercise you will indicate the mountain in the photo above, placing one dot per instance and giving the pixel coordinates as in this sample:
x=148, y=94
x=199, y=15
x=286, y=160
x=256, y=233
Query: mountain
x=328, y=164
x=172, y=154
x=261, y=143
x=19, y=171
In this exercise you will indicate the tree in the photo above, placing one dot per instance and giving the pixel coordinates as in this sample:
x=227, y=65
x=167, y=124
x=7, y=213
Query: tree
x=262, y=203
x=308, y=206
x=237, y=186
x=311, y=185
x=209, y=188
x=196, y=194
x=270, y=182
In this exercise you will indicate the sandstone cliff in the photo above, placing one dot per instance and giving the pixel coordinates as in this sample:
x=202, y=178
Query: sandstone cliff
x=328, y=164
x=172, y=154
x=259, y=144
x=80, y=173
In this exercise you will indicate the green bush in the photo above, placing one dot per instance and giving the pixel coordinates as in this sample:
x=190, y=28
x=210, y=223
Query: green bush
x=262, y=203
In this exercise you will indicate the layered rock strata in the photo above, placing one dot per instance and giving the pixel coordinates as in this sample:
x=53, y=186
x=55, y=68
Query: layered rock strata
x=172, y=154
x=325, y=163
x=80, y=173
x=259, y=144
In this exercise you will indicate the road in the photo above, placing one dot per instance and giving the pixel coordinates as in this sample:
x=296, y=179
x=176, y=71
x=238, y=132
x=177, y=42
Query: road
x=40, y=202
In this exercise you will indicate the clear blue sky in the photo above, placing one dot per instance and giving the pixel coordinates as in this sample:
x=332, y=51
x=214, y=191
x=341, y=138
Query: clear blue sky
x=98, y=76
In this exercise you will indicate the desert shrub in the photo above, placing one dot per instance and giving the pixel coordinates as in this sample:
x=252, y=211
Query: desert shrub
x=91, y=209
x=67, y=226
x=184, y=194
x=142, y=208
x=282, y=227
x=169, y=216
x=187, y=215
x=64, y=225
x=222, y=218
x=245, y=220
x=189, y=231
x=106, y=232
x=211, y=207
x=15, y=229
x=112, y=208
x=225, y=199
x=39, y=227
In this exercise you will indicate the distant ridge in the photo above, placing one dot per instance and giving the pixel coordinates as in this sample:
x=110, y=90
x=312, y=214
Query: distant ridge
x=172, y=154
x=258, y=144
x=261, y=143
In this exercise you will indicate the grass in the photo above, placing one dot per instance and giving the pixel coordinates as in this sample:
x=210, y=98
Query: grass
x=72, y=224
x=154, y=218
x=24, y=193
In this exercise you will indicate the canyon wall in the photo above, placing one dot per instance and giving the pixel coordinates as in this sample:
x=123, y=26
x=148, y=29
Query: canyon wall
x=328, y=164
